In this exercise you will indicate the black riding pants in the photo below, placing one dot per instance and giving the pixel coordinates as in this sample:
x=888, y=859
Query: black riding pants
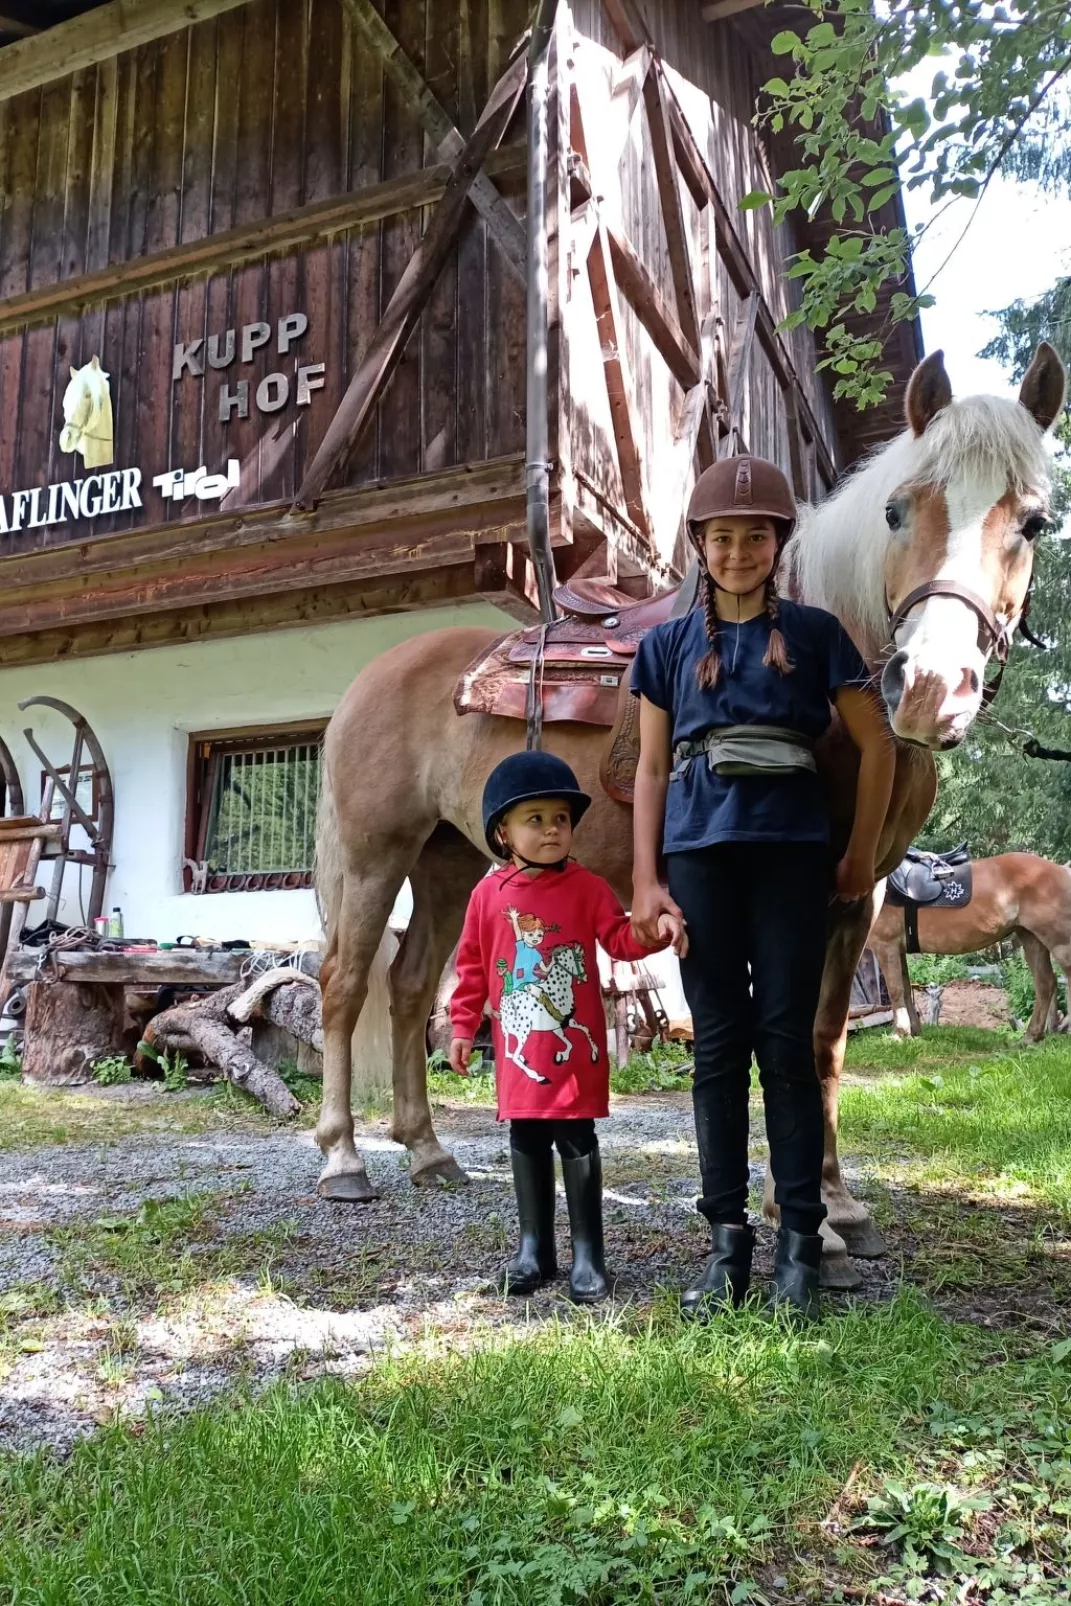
x=756, y=914
x=534, y=1138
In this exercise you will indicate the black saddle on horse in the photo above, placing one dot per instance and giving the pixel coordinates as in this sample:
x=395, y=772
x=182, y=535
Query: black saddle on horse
x=930, y=881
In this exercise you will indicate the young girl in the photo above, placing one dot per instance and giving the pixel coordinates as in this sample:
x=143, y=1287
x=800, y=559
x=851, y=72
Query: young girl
x=528, y=944
x=732, y=697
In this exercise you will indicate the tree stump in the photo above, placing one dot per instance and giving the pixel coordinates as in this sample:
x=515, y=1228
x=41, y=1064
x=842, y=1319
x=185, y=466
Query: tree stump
x=69, y=1026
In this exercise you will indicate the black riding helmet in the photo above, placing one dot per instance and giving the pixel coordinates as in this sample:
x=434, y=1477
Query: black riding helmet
x=523, y=776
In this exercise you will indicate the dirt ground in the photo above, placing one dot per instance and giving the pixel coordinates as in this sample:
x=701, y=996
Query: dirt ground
x=968, y=1003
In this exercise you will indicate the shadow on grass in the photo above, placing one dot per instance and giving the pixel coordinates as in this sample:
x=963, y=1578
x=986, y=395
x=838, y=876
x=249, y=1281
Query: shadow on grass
x=614, y=1461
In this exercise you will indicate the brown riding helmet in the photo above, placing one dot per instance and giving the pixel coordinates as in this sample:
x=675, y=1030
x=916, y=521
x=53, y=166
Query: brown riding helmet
x=738, y=486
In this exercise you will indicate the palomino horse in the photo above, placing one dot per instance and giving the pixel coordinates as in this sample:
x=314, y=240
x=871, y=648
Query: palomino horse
x=87, y=415
x=925, y=554
x=1014, y=895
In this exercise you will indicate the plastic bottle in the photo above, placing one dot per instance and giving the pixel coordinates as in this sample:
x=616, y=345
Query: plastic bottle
x=115, y=924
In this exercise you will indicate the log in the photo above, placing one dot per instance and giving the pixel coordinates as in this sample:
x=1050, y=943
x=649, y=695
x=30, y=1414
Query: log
x=68, y=1029
x=205, y=1025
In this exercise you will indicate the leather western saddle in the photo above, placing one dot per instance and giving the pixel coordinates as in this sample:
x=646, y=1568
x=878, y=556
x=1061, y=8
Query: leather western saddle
x=580, y=664
x=930, y=881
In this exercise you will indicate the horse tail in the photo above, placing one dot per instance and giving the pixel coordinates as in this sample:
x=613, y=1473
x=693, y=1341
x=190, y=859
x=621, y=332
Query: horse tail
x=327, y=870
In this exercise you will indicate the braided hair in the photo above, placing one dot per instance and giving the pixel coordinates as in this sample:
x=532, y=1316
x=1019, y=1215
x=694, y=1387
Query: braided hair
x=776, y=656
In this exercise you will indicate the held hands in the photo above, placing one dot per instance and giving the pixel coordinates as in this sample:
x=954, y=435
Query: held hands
x=460, y=1054
x=656, y=916
x=855, y=878
x=672, y=928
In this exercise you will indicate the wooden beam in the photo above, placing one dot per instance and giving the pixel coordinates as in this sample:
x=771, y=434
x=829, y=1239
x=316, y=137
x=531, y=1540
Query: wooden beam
x=618, y=379
x=228, y=618
x=507, y=231
x=739, y=371
x=657, y=317
x=718, y=10
x=477, y=497
x=414, y=287
x=631, y=28
x=701, y=183
x=284, y=232
x=107, y=31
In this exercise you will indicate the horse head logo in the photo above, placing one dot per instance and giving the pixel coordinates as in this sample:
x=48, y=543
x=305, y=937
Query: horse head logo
x=87, y=415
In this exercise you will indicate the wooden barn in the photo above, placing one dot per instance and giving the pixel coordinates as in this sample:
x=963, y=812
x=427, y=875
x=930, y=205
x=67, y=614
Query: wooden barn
x=308, y=309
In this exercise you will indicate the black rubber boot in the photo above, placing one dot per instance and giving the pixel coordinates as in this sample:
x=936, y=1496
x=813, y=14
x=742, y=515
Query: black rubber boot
x=536, y=1261
x=583, y=1193
x=795, y=1280
x=727, y=1275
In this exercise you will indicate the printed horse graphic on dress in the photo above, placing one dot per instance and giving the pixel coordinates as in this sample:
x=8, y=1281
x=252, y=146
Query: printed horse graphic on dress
x=87, y=414
x=546, y=1006
x=924, y=553
x=1014, y=895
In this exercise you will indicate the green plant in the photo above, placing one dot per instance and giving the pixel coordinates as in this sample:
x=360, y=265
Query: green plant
x=112, y=1069
x=935, y=969
x=662, y=1069
x=927, y=1520
x=1019, y=986
x=10, y=1062
x=176, y=1070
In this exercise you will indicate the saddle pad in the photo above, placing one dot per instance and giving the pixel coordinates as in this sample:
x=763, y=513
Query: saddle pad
x=617, y=771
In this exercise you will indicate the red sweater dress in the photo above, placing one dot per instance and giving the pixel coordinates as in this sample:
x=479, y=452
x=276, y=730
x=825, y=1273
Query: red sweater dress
x=528, y=945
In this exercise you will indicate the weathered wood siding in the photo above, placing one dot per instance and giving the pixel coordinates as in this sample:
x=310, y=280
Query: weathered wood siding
x=714, y=78
x=265, y=109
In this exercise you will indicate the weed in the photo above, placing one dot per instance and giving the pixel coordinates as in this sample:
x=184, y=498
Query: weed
x=10, y=1062
x=111, y=1070
x=926, y=1520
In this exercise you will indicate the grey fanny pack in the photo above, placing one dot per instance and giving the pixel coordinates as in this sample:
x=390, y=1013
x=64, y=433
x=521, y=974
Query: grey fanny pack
x=746, y=750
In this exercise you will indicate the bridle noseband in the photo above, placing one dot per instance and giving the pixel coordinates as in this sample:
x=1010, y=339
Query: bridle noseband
x=994, y=639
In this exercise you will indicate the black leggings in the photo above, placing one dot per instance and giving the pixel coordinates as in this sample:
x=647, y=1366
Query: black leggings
x=535, y=1138
x=756, y=914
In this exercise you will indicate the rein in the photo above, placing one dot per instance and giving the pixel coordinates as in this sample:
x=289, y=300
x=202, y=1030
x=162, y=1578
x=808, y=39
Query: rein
x=993, y=637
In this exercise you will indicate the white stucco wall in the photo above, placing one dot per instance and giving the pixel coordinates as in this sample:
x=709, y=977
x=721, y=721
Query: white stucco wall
x=143, y=706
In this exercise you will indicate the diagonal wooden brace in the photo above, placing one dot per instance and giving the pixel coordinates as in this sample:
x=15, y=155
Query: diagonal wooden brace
x=506, y=229
x=414, y=288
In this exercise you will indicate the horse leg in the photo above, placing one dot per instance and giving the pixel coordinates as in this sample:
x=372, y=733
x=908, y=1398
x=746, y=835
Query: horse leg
x=578, y=1026
x=445, y=873
x=365, y=906
x=567, y=1047
x=847, y=1217
x=892, y=957
x=1043, y=1015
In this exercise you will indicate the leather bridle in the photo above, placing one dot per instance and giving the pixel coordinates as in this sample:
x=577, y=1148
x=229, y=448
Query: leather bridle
x=994, y=639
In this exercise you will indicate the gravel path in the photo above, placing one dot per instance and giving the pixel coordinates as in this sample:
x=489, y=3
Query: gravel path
x=272, y=1281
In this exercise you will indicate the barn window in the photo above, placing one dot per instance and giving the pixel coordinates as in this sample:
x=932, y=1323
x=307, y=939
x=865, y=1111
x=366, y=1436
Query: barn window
x=251, y=809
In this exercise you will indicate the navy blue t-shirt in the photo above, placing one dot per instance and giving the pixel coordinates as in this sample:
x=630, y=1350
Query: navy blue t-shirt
x=703, y=807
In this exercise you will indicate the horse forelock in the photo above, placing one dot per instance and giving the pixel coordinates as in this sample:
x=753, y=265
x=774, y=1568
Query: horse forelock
x=837, y=555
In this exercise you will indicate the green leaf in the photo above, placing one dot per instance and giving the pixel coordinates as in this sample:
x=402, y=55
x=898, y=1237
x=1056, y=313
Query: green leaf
x=755, y=198
x=823, y=33
x=784, y=43
x=776, y=86
x=1062, y=1350
x=879, y=197
x=877, y=175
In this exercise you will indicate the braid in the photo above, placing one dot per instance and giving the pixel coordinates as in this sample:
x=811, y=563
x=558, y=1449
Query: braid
x=709, y=666
x=776, y=655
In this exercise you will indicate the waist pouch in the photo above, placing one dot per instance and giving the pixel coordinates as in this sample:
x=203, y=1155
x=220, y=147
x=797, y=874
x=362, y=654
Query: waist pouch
x=747, y=750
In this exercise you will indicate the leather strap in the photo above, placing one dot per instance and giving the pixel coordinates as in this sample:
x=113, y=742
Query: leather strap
x=533, y=710
x=997, y=637
x=911, y=928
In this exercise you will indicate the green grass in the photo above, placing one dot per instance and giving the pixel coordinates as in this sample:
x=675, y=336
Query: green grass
x=31, y=1116
x=994, y=1122
x=599, y=1464
x=661, y=1070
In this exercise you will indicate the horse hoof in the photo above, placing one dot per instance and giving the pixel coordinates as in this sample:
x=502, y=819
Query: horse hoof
x=347, y=1187
x=438, y=1172
x=837, y=1271
x=862, y=1240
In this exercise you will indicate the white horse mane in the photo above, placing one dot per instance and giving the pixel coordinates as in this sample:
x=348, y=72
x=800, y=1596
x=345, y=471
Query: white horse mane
x=837, y=554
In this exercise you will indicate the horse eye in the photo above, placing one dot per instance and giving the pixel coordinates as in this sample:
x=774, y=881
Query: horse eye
x=893, y=517
x=1034, y=526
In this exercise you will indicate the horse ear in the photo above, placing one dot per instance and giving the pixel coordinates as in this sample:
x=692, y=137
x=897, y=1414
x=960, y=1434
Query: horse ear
x=929, y=390
x=1044, y=385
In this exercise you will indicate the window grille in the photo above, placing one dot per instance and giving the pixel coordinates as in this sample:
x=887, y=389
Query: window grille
x=253, y=815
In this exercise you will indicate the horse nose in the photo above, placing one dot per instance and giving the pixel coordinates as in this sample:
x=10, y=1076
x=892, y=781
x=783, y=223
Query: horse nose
x=892, y=681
